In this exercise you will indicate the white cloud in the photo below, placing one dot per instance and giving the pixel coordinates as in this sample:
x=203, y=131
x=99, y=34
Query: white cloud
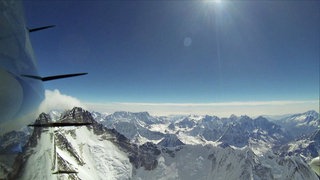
x=54, y=100
x=222, y=109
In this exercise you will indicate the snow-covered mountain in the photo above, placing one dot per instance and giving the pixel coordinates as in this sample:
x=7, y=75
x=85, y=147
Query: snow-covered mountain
x=134, y=126
x=260, y=134
x=99, y=117
x=301, y=124
x=307, y=147
x=13, y=141
x=143, y=118
x=94, y=152
x=11, y=144
x=100, y=151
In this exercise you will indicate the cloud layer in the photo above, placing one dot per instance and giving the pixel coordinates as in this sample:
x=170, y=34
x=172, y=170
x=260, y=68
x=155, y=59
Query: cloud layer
x=223, y=109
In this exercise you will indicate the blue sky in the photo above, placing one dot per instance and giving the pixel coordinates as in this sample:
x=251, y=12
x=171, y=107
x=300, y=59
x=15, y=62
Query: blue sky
x=180, y=51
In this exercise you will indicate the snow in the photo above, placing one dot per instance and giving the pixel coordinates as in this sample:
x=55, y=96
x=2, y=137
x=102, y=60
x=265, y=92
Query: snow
x=300, y=118
x=43, y=158
x=259, y=147
x=163, y=128
x=55, y=114
x=299, y=144
x=186, y=139
x=196, y=117
x=103, y=159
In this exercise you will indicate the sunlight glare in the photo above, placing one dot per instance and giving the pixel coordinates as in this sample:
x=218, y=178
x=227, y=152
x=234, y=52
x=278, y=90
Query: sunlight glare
x=213, y=1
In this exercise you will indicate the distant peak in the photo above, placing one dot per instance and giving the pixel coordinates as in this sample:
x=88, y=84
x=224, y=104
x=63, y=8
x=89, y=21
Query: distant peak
x=261, y=118
x=42, y=115
x=312, y=113
x=143, y=113
x=121, y=113
x=233, y=116
x=195, y=117
x=43, y=118
x=77, y=109
x=244, y=117
x=127, y=113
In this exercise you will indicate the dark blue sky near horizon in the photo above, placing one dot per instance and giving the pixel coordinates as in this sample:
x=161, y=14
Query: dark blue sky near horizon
x=179, y=51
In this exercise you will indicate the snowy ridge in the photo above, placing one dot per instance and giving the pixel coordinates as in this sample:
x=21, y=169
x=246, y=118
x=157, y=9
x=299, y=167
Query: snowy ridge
x=301, y=124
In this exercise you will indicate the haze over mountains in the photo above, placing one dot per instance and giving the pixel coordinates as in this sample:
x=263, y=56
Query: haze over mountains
x=126, y=145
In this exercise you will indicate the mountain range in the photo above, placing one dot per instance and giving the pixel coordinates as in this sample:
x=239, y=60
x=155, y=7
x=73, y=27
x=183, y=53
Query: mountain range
x=126, y=145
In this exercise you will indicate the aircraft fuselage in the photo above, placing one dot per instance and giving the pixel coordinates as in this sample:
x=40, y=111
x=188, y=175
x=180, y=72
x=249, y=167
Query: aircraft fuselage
x=18, y=95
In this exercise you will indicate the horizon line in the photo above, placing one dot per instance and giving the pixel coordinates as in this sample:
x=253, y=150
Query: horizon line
x=221, y=109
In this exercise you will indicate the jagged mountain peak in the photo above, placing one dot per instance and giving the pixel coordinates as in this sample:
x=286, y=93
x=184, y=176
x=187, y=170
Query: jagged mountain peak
x=245, y=118
x=210, y=118
x=121, y=113
x=43, y=118
x=135, y=117
x=264, y=122
x=76, y=114
x=186, y=123
x=261, y=118
x=233, y=116
x=170, y=140
x=312, y=113
x=127, y=113
x=131, y=124
x=195, y=117
x=256, y=132
x=193, y=121
x=75, y=110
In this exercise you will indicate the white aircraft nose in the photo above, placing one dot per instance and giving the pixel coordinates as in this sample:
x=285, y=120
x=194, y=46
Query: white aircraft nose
x=11, y=96
x=315, y=165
